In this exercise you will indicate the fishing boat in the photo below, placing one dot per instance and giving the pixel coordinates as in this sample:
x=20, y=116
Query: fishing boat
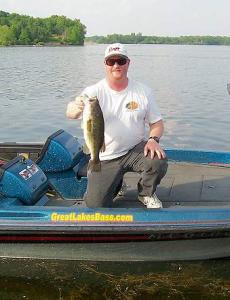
x=43, y=214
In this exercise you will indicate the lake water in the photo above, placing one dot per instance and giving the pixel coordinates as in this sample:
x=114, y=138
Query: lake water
x=34, y=280
x=189, y=82
x=36, y=83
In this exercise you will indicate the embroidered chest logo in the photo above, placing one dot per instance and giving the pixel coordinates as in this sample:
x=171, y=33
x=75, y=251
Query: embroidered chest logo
x=133, y=105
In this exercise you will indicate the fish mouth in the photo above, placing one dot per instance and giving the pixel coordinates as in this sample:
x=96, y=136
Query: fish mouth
x=86, y=99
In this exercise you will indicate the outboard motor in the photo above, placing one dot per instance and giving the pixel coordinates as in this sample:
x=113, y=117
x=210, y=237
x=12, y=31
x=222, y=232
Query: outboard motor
x=61, y=160
x=22, y=182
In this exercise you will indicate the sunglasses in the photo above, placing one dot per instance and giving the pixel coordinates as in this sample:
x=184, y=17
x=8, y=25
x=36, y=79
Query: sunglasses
x=120, y=61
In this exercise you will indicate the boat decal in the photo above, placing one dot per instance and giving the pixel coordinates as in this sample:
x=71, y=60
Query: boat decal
x=91, y=217
x=29, y=171
x=33, y=169
x=25, y=174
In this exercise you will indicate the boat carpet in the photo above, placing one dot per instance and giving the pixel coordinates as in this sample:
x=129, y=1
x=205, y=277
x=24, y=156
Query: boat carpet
x=184, y=184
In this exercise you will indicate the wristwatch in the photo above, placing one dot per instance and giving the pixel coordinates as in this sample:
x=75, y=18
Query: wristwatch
x=155, y=138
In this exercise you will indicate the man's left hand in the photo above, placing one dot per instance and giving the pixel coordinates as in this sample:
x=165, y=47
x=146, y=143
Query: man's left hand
x=154, y=148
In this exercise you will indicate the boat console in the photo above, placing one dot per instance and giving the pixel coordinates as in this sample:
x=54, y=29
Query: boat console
x=22, y=182
x=59, y=167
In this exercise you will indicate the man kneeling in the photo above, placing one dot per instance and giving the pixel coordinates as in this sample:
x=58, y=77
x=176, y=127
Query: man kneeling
x=127, y=106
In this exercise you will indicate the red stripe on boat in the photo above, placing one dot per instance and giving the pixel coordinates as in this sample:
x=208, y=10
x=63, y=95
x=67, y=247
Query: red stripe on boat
x=72, y=239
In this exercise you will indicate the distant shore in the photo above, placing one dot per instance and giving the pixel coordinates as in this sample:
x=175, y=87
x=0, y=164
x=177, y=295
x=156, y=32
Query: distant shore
x=89, y=43
x=43, y=45
x=142, y=39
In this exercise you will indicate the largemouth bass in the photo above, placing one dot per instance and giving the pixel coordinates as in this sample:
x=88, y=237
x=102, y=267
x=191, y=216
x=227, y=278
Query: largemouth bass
x=93, y=127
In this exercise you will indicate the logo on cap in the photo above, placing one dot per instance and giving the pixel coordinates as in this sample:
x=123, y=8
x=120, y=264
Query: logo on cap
x=114, y=49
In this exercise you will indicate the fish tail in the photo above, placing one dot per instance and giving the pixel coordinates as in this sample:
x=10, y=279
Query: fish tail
x=94, y=166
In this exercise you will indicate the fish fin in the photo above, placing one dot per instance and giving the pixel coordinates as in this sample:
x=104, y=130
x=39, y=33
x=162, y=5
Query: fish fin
x=103, y=148
x=89, y=125
x=94, y=166
x=86, y=149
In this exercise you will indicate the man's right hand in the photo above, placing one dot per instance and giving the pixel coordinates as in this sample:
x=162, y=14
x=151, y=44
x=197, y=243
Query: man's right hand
x=75, y=108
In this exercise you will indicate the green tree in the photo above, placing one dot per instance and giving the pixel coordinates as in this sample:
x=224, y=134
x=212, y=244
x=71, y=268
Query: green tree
x=7, y=37
x=25, y=30
x=24, y=38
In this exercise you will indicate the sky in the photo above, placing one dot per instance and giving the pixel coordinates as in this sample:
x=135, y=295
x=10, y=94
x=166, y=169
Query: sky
x=149, y=17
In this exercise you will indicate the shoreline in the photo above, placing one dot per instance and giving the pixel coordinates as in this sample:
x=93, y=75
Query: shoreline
x=45, y=45
x=94, y=44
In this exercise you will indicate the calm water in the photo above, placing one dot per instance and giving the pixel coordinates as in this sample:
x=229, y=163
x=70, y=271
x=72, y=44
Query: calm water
x=33, y=280
x=36, y=83
x=190, y=86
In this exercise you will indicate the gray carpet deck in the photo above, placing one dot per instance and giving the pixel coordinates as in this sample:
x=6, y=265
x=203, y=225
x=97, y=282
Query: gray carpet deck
x=184, y=185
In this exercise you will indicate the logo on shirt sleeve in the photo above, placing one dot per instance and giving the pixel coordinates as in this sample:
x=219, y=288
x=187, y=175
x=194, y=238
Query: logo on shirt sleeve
x=133, y=105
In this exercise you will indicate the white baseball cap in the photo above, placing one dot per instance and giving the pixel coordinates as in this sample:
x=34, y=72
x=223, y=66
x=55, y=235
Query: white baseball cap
x=116, y=49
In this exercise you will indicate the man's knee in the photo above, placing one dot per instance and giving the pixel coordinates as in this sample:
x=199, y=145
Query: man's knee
x=163, y=167
x=157, y=165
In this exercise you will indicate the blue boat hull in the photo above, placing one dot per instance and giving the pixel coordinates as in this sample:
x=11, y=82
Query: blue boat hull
x=156, y=235
x=69, y=231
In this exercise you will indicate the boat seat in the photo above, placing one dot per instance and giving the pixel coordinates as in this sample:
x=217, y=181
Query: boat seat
x=61, y=152
x=61, y=159
x=22, y=182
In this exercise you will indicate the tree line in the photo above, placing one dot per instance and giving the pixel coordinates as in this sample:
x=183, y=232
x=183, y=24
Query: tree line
x=138, y=38
x=18, y=29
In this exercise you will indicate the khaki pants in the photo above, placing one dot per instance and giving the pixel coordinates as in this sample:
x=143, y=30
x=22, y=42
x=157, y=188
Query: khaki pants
x=103, y=186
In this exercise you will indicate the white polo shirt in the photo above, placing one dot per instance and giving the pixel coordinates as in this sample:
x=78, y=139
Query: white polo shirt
x=125, y=114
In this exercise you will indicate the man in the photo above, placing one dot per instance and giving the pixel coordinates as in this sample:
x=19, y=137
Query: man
x=127, y=107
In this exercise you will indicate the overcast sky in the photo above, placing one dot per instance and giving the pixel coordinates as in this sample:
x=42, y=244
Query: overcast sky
x=150, y=17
